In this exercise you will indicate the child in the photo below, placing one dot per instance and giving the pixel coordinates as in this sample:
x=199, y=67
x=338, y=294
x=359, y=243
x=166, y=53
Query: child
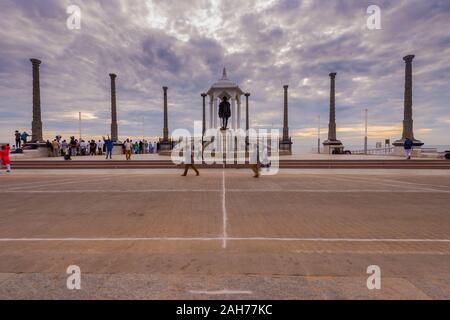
x=4, y=154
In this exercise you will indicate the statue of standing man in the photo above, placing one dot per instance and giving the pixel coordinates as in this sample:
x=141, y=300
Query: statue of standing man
x=224, y=112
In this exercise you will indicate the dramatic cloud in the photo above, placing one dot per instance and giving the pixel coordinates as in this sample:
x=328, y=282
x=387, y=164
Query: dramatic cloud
x=263, y=44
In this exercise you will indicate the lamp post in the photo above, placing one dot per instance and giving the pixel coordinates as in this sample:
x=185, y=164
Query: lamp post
x=79, y=123
x=318, y=136
x=365, y=135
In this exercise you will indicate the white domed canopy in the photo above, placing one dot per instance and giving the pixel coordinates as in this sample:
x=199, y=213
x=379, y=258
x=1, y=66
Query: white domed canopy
x=222, y=88
x=224, y=83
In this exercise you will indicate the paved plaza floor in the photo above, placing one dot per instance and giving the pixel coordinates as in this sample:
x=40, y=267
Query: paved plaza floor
x=152, y=234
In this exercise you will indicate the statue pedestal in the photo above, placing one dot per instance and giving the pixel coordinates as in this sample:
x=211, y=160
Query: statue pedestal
x=333, y=147
x=399, y=149
x=285, y=148
x=165, y=148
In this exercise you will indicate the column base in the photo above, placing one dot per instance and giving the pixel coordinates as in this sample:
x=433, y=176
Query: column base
x=401, y=142
x=165, y=148
x=285, y=147
x=333, y=147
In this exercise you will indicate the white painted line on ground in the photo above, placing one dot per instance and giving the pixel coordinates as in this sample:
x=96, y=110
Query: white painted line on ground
x=220, y=292
x=62, y=183
x=111, y=191
x=221, y=239
x=412, y=183
x=381, y=182
x=224, y=212
x=230, y=190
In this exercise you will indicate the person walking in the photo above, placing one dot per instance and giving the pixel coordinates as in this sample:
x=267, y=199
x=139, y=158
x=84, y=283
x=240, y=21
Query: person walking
x=189, y=161
x=254, y=161
x=18, y=140
x=127, y=146
x=4, y=157
x=408, y=146
x=109, y=147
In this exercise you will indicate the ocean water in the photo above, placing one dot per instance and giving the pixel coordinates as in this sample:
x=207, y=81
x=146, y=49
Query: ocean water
x=302, y=147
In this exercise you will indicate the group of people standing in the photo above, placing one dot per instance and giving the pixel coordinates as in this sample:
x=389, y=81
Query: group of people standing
x=20, y=138
x=59, y=147
x=74, y=147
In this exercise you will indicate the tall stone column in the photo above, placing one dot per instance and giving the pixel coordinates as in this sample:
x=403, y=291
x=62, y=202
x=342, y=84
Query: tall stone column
x=36, y=124
x=285, y=119
x=204, y=114
x=247, y=121
x=238, y=112
x=332, y=140
x=407, y=118
x=114, y=127
x=166, y=118
x=215, y=112
x=233, y=113
x=211, y=111
x=165, y=145
x=285, y=143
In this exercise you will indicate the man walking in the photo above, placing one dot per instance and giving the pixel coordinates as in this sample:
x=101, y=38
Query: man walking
x=189, y=161
x=127, y=146
x=408, y=145
x=254, y=161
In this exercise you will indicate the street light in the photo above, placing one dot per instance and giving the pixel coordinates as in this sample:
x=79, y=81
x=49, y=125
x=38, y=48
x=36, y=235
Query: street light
x=365, y=136
x=318, y=136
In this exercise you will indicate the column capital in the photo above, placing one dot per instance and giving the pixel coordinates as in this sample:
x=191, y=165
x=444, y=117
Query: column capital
x=409, y=58
x=333, y=75
x=285, y=87
x=35, y=62
x=203, y=95
x=113, y=75
x=165, y=88
x=247, y=94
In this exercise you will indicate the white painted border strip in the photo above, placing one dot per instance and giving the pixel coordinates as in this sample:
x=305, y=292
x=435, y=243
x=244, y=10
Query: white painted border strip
x=224, y=211
x=75, y=239
x=228, y=190
x=220, y=292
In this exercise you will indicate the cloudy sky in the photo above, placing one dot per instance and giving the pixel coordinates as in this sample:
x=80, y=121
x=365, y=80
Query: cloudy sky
x=264, y=44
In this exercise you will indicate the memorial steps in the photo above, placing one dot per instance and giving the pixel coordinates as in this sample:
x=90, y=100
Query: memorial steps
x=283, y=164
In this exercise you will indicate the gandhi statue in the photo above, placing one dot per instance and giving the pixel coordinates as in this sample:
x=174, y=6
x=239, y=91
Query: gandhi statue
x=224, y=112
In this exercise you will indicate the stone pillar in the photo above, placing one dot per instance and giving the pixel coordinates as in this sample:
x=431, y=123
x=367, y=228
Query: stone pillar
x=215, y=113
x=211, y=111
x=233, y=113
x=247, y=121
x=204, y=114
x=114, y=127
x=285, y=119
x=166, y=118
x=408, y=119
x=36, y=124
x=238, y=113
x=165, y=145
x=285, y=143
x=332, y=143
